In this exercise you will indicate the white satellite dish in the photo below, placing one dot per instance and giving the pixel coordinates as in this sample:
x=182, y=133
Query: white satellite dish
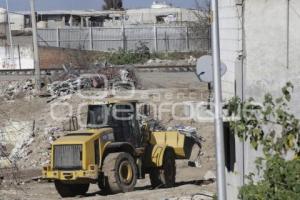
x=204, y=69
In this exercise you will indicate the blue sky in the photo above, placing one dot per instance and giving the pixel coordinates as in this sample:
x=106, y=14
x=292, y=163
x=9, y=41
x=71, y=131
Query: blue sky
x=86, y=4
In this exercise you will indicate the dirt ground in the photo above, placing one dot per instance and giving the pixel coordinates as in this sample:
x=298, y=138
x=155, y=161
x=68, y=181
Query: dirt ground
x=192, y=183
x=189, y=183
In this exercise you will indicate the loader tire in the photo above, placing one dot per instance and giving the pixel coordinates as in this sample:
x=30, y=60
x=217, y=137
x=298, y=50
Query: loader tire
x=166, y=175
x=70, y=190
x=120, y=173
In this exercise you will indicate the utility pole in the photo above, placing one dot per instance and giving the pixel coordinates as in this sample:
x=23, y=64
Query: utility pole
x=35, y=48
x=288, y=34
x=221, y=180
x=11, y=50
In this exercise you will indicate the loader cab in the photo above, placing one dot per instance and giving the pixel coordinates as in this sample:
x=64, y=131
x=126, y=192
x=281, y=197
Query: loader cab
x=120, y=116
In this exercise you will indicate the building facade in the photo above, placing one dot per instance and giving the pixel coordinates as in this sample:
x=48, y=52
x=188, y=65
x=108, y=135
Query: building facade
x=260, y=44
x=21, y=21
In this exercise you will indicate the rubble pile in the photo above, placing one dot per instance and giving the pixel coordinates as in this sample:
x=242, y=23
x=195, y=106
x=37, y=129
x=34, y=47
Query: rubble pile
x=18, y=137
x=27, y=150
x=119, y=75
x=61, y=88
x=14, y=89
x=112, y=75
x=70, y=82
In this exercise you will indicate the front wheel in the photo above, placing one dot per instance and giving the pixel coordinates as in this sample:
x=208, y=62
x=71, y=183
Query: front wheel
x=166, y=175
x=120, y=173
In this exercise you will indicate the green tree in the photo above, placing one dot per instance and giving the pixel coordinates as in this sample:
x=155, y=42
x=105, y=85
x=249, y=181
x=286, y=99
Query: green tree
x=113, y=5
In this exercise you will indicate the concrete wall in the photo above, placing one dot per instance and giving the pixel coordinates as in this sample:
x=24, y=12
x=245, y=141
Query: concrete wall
x=231, y=51
x=266, y=45
x=230, y=42
x=272, y=55
x=17, y=21
x=23, y=57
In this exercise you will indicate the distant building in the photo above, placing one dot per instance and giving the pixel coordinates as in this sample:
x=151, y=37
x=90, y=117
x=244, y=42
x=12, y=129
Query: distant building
x=164, y=15
x=17, y=21
x=3, y=23
x=159, y=13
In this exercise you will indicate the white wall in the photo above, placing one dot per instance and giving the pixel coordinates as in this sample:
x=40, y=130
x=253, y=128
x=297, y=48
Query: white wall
x=266, y=46
x=230, y=42
x=267, y=66
x=25, y=62
x=17, y=21
x=231, y=49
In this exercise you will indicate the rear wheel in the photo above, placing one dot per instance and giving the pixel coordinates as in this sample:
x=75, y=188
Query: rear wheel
x=166, y=175
x=120, y=173
x=70, y=190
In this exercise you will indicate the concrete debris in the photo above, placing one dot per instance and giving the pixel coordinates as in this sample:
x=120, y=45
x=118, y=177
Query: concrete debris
x=196, y=149
x=124, y=75
x=62, y=88
x=53, y=133
x=154, y=125
x=21, y=147
x=113, y=75
x=70, y=82
x=189, y=132
x=202, y=196
x=17, y=135
x=11, y=90
x=210, y=175
x=3, y=150
x=192, y=60
x=188, y=61
x=154, y=61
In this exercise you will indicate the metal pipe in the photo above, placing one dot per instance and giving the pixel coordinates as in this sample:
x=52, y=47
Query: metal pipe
x=221, y=180
x=243, y=85
x=35, y=47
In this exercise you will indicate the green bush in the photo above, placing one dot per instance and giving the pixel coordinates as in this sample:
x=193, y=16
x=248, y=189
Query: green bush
x=271, y=126
x=142, y=53
x=122, y=57
x=281, y=181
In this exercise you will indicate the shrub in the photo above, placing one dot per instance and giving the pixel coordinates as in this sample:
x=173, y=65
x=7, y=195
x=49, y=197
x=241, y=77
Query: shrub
x=281, y=181
x=271, y=126
x=140, y=55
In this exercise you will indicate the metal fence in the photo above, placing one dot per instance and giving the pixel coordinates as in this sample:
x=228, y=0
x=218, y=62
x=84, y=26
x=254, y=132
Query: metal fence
x=157, y=38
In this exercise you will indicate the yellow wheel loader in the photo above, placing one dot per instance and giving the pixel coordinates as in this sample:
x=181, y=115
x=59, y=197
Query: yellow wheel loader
x=114, y=151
